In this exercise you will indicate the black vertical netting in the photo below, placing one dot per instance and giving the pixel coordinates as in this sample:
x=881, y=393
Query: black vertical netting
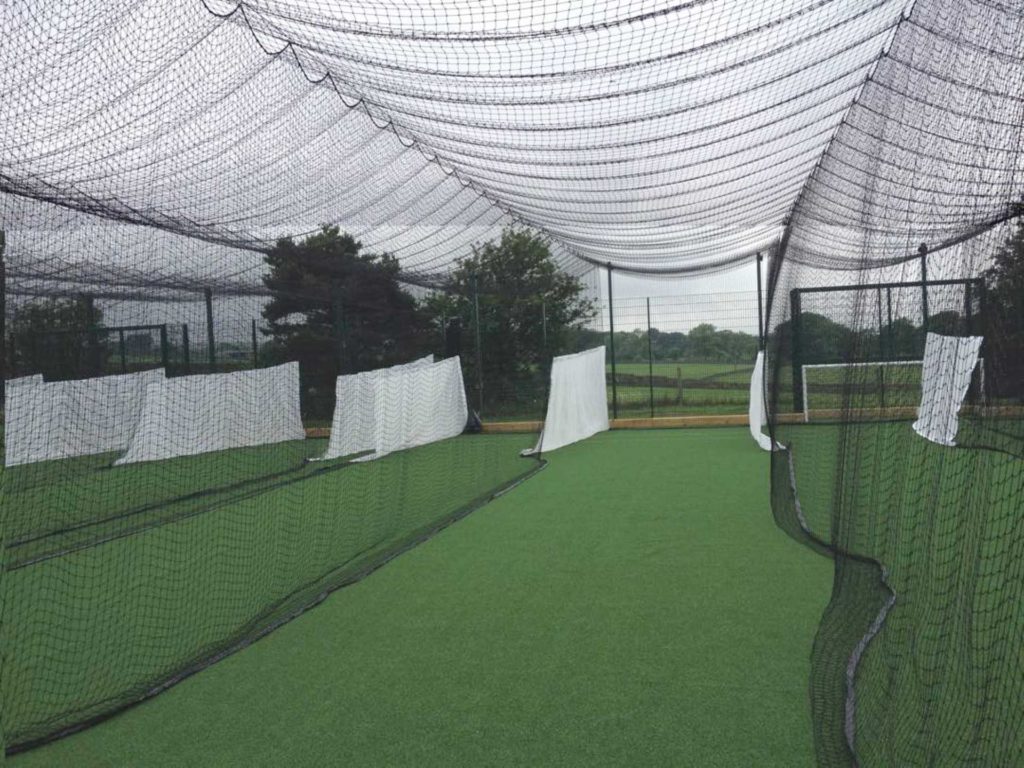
x=912, y=662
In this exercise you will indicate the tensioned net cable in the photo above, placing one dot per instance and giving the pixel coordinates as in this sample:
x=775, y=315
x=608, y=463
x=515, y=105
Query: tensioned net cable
x=152, y=152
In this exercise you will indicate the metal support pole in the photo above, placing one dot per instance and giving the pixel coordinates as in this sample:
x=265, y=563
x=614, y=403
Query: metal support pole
x=3, y=322
x=923, y=250
x=984, y=324
x=760, y=306
x=92, y=337
x=120, y=345
x=338, y=308
x=186, y=354
x=212, y=355
x=881, y=349
x=479, y=348
x=795, y=352
x=893, y=355
x=255, y=347
x=544, y=326
x=650, y=357
x=165, y=356
x=972, y=390
x=611, y=338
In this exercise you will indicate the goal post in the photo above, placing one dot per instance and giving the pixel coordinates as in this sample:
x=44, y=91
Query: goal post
x=862, y=346
x=880, y=389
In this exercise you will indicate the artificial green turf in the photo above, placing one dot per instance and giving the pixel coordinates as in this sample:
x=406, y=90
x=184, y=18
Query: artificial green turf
x=95, y=626
x=633, y=604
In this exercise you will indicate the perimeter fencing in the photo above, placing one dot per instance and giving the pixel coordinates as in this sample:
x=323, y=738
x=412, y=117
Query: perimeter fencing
x=668, y=356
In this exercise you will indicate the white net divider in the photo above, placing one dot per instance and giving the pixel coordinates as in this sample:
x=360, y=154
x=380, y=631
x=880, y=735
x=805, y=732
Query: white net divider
x=63, y=419
x=214, y=412
x=757, y=412
x=577, y=402
x=418, y=405
x=21, y=381
x=357, y=410
x=949, y=362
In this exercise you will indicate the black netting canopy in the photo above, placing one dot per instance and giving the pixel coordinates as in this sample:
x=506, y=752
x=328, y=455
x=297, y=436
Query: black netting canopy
x=298, y=193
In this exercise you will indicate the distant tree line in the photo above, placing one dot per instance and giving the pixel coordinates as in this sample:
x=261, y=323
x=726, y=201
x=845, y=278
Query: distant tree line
x=336, y=309
x=704, y=343
x=823, y=340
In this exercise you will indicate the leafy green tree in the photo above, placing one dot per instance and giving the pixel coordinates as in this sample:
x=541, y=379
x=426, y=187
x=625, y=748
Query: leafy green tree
x=1004, y=324
x=54, y=337
x=336, y=309
x=529, y=311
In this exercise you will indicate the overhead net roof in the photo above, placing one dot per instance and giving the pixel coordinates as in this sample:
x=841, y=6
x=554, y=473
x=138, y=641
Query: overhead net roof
x=176, y=139
x=659, y=136
x=930, y=152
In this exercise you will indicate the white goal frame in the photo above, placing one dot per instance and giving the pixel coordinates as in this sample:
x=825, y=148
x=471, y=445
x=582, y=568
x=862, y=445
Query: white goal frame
x=805, y=368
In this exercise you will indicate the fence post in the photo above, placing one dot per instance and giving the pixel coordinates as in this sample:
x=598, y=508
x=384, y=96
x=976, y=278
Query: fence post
x=165, y=357
x=92, y=338
x=890, y=347
x=212, y=356
x=479, y=347
x=120, y=345
x=984, y=323
x=544, y=327
x=650, y=357
x=760, y=306
x=923, y=250
x=338, y=310
x=881, y=349
x=186, y=354
x=611, y=338
x=795, y=353
x=255, y=347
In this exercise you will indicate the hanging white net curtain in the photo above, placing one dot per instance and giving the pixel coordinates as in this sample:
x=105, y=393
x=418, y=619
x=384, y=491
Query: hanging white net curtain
x=213, y=412
x=418, y=405
x=757, y=414
x=62, y=419
x=577, y=400
x=949, y=362
x=358, y=409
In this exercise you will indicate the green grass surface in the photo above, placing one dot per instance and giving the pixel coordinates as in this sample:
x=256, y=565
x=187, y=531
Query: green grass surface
x=633, y=604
